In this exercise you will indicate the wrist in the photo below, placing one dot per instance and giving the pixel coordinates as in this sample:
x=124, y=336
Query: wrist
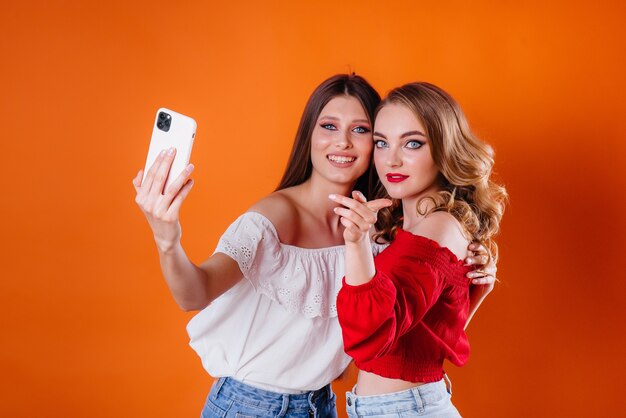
x=166, y=248
x=361, y=242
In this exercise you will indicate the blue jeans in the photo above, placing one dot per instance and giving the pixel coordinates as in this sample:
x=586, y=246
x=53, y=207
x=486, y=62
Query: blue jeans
x=231, y=398
x=429, y=400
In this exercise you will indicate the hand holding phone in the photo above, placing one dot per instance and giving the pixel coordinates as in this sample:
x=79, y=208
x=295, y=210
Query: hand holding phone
x=174, y=132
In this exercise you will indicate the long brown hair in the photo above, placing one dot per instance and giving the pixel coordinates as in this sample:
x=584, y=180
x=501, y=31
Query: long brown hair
x=464, y=161
x=299, y=166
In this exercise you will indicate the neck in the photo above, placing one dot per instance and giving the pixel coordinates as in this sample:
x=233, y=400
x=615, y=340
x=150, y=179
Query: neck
x=409, y=207
x=314, y=197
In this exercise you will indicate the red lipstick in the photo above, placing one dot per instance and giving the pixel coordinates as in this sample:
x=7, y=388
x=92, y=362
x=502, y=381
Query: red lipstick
x=395, y=177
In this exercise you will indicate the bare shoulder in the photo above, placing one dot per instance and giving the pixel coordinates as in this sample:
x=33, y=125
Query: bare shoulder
x=446, y=230
x=281, y=210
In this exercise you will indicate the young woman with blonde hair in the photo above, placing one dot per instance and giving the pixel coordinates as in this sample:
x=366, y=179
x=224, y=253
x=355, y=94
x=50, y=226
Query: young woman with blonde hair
x=404, y=312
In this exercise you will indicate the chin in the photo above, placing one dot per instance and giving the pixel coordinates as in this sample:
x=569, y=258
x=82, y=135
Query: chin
x=394, y=192
x=345, y=178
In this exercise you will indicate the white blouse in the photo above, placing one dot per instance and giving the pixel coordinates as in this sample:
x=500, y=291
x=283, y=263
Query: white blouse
x=276, y=329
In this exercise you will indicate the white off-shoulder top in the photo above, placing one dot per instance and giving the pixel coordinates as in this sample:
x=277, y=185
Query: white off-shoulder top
x=276, y=329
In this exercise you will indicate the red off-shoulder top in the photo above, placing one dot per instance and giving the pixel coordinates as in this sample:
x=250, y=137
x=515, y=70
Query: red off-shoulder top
x=410, y=317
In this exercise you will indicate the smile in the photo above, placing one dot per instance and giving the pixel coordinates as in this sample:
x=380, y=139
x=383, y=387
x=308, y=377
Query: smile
x=340, y=159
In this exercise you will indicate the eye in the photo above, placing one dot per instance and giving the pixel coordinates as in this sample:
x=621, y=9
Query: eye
x=328, y=126
x=361, y=130
x=379, y=143
x=414, y=144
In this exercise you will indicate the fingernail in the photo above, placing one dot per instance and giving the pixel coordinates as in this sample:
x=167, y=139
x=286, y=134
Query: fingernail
x=190, y=168
x=162, y=153
x=332, y=196
x=468, y=261
x=171, y=151
x=335, y=209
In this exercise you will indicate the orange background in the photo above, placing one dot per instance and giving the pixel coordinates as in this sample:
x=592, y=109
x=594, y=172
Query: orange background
x=88, y=325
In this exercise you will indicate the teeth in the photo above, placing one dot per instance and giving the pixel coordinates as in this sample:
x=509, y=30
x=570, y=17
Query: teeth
x=341, y=160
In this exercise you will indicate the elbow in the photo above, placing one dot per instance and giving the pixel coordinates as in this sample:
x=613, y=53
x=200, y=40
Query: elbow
x=369, y=350
x=187, y=308
x=382, y=351
x=191, y=305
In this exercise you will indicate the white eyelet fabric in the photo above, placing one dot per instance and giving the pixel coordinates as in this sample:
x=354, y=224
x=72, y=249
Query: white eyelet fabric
x=302, y=280
x=277, y=329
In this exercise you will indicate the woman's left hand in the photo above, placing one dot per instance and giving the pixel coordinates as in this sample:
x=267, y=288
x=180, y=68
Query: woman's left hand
x=483, y=274
x=358, y=216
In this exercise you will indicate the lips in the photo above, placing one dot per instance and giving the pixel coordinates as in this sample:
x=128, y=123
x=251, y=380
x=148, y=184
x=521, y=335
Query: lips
x=396, y=177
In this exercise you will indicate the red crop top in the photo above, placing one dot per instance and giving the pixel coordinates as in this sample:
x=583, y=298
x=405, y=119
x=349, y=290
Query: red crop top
x=410, y=317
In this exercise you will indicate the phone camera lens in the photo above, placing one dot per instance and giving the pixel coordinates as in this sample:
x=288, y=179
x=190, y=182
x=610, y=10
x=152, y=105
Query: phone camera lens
x=168, y=122
x=160, y=125
x=162, y=115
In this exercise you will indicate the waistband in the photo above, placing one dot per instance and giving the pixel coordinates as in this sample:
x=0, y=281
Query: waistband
x=250, y=395
x=417, y=398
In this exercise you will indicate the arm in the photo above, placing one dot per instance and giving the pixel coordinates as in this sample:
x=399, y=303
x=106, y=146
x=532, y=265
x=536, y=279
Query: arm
x=192, y=287
x=373, y=311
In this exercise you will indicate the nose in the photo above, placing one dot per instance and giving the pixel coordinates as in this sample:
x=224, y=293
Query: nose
x=344, y=141
x=393, y=158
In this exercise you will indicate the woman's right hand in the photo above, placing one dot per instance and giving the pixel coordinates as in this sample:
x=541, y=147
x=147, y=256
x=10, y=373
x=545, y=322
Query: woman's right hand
x=160, y=207
x=358, y=216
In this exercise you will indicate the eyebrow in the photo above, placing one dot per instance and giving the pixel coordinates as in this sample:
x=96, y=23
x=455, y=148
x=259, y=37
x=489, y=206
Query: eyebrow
x=335, y=118
x=404, y=135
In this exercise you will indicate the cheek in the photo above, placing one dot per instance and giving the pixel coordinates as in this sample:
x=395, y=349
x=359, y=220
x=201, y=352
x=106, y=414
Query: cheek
x=319, y=138
x=379, y=160
x=365, y=148
x=426, y=167
x=317, y=149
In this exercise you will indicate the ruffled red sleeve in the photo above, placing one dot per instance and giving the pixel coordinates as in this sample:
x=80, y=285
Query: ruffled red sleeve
x=375, y=314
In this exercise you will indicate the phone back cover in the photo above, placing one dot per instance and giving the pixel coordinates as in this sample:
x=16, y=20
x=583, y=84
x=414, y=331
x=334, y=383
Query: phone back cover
x=180, y=136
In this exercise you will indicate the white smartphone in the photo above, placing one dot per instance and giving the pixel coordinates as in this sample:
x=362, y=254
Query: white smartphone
x=171, y=129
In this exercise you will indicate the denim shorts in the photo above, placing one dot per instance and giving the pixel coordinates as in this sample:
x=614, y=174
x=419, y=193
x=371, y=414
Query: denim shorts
x=429, y=400
x=231, y=398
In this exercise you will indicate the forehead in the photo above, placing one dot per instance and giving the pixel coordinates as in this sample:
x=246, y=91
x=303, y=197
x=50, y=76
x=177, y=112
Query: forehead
x=344, y=107
x=397, y=119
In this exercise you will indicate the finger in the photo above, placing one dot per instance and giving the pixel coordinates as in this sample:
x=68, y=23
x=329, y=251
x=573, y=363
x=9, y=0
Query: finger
x=378, y=204
x=482, y=275
x=361, y=223
x=490, y=269
x=353, y=232
x=484, y=280
x=147, y=183
x=164, y=202
x=137, y=180
x=163, y=170
x=358, y=196
x=478, y=260
x=475, y=274
x=174, y=187
x=356, y=206
x=174, y=208
x=481, y=281
x=478, y=248
x=344, y=200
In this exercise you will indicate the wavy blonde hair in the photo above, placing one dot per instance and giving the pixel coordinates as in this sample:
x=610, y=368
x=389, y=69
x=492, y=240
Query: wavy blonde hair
x=464, y=161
